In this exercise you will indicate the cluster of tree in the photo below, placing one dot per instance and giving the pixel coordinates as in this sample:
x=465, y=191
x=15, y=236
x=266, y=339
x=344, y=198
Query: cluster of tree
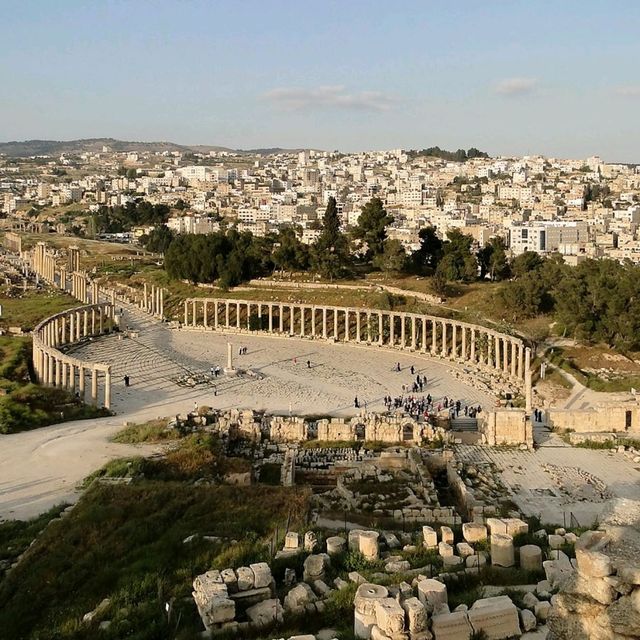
x=453, y=156
x=598, y=300
x=124, y=217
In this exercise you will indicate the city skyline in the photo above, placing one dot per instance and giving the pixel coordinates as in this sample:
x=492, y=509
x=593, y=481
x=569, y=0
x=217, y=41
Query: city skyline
x=508, y=79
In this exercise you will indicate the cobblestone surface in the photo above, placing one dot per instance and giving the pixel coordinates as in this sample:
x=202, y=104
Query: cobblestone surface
x=557, y=481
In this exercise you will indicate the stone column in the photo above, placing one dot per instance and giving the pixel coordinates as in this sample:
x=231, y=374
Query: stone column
x=368, y=327
x=392, y=330
x=324, y=322
x=335, y=323
x=237, y=315
x=424, y=335
x=505, y=356
x=464, y=343
x=445, y=346
x=380, y=328
x=358, y=328
x=403, y=337
x=454, y=342
x=81, y=382
x=186, y=314
x=281, y=318
x=58, y=372
x=72, y=377
x=520, y=362
x=434, y=337
x=85, y=323
x=226, y=316
x=292, y=320
x=248, y=307
x=313, y=321
x=215, y=314
x=527, y=380
x=93, y=322
x=161, y=309
x=72, y=327
x=194, y=312
x=413, y=332
x=205, y=314
x=94, y=386
x=346, y=325
x=270, y=318
x=107, y=388
x=302, y=319
x=496, y=342
x=514, y=358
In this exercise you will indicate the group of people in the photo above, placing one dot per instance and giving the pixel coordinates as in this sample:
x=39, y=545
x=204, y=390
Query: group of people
x=417, y=406
x=242, y=351
x=214, y=371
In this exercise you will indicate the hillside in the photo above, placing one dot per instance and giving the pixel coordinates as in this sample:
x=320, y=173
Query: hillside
x=26, y=148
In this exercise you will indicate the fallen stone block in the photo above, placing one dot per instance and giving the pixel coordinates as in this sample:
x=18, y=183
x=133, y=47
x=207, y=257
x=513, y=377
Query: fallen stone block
x=451, y=626
x=474, y=532
x=432, y=593
x=531, y=557
x=265, y=613
x=389, y=616
x=416, y=615
x=497, y=617
x=502, y=551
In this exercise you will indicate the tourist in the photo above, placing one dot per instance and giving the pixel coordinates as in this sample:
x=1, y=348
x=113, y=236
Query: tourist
x=398, y=366
x=356, y=403
x=308, y=364
x=412, y=369
x=195, y=407
x=126, y=381
x=212, y=372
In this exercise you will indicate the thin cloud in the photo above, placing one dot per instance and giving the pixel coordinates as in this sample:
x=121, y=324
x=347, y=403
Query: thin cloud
x=629, y=91
x=516, y=86
x=328, y=97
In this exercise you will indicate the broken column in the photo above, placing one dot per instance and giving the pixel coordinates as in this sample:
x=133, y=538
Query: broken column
x=502, y=552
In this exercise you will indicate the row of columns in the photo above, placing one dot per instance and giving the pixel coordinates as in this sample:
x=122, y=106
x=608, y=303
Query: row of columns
x=428, y=334
x=54, y=368
x=153, y=300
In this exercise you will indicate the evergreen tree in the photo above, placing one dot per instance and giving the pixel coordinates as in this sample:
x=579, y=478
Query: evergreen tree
x=372, y=227
x=330, y=253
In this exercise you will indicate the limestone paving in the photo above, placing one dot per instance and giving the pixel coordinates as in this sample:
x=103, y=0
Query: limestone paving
x=555, y=482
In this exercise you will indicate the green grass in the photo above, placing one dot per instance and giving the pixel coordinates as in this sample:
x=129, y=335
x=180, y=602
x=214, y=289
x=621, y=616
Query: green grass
x=194, y=457
x=151, y=431
x=17, y=535
x=27, y=406
x=31, y=307
x=126, y=543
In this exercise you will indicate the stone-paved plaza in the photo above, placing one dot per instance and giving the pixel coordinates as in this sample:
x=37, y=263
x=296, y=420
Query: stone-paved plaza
x=155, y=357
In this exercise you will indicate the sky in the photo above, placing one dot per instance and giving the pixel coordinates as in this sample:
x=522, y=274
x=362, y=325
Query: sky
x=559, y=78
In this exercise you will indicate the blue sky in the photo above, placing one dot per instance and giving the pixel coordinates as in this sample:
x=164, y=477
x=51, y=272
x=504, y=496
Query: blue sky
x=510, y=77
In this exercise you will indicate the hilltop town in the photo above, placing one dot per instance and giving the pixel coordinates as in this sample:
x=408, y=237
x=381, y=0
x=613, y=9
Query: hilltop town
x=582, y=208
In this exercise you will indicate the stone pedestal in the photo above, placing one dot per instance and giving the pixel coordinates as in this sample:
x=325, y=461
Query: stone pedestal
x=502, y=552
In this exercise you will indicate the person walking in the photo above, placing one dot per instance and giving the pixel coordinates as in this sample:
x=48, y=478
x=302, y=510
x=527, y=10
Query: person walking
x=398, y=366
x=126, y=381
x=356, y=404
x=308, y=364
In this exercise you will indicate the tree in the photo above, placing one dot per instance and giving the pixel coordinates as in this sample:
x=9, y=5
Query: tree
x=330, y=254
x=525, y=262
x=372, y=227
x=458, y=263
x=289, y=253
x=393, y=258
x=159, y=239
x=492, y=259
x=426, y=258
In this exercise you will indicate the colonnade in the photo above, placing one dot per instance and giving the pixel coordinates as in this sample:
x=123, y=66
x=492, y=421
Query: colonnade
x=55, y=368
x=152, y=300
x=503, y=354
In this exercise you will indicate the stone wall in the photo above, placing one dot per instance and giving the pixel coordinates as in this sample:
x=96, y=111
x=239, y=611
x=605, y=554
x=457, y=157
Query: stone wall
x=623, y=416
x=506, y=426
x=379, y=428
